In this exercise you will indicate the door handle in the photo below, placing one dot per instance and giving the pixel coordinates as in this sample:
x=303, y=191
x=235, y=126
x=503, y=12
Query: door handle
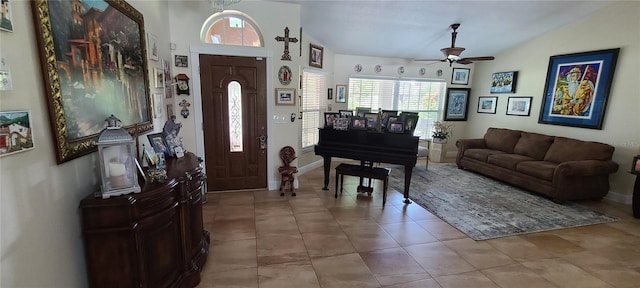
x=263, y=142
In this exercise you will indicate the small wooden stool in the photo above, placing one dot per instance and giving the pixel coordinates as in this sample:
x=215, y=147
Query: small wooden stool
x=363, y=172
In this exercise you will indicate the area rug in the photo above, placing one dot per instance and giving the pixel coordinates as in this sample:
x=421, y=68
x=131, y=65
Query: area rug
x=483, y=208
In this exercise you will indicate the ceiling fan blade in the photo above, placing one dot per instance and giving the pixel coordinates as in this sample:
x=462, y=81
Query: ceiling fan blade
x=431, y=60
x=464, y=61
x=482, y=58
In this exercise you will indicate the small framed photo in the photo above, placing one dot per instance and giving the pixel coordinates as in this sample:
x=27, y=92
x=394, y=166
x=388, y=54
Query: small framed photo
x=345, y=113
x=330, y=119
x=6, y=22
x=504, y=82
x=341, y=124
x=487, y=105
x=519, y=106
x=358, y=123
x=360, y=111
x=285, y=96
x=456, y=104
x=159, y=77
x=635, y=165
x=460, y=76
x=315, y=55
x=372, y=120
x=158, y=143
x=16, y=134
x=181, y=61
x=410, y=120
x=153, y=47
x=396, y=127
x=341, y=93
x=330, y=93
x=384, y=119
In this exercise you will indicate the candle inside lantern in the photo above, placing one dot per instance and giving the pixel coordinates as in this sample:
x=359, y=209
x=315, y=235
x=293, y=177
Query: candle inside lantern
x=118, y=174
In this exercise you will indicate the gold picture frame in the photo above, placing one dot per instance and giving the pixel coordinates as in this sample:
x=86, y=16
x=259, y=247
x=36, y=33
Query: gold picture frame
x=92, y=70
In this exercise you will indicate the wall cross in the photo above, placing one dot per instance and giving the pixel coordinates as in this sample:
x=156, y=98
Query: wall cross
x=286, y=39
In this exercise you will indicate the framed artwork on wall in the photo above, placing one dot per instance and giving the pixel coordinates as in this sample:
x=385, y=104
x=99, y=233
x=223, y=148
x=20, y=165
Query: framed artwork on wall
x=153, y=47
x=181, y=61
x=80, y=98
x=6, y=22
x=315, y=55
x=577, y=88
x=504, y=82
x=285, y=96
x=487, y=105
x=460, y=76
x=17, y=135
x=519, y=106
x=341, y=93
x=456, y=104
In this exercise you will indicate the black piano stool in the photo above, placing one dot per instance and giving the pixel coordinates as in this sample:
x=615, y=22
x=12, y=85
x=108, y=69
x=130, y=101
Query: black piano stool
x=366, y=172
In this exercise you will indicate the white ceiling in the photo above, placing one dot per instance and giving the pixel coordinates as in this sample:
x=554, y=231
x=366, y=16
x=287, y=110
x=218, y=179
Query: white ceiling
x=419, y=29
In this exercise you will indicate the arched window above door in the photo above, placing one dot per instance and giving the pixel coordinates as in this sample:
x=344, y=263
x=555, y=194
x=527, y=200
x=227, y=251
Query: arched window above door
x=231, y=28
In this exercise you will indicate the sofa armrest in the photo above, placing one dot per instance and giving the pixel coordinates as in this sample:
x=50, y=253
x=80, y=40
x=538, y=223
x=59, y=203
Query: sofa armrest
x=585, y=168
x=464, y=144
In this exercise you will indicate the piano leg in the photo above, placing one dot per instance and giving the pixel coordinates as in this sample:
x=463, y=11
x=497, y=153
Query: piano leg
x=408, y=169
x=327, y=168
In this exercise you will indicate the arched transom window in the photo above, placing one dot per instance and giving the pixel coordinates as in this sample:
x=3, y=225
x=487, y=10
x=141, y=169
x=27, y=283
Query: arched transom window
x=231, y=28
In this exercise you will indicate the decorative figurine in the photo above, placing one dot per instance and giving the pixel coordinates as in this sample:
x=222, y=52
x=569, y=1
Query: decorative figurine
x=185, y=108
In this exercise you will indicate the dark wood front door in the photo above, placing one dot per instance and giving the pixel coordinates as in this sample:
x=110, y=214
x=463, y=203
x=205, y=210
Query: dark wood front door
x=234, y=126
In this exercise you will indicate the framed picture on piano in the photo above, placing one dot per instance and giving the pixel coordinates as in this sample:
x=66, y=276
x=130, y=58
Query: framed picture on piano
x=372, y=120
x=345, y=113
x=396, y=127
x=330, y=119
x=358, y=123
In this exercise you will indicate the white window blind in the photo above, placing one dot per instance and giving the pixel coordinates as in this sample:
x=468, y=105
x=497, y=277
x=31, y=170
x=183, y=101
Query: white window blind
x=313, y=87
x=424, y=96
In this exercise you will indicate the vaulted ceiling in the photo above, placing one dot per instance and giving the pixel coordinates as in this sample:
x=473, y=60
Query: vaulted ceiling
x=419, y=29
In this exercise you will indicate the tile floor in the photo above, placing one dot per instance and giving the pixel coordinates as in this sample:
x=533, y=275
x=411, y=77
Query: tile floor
x=259, y=239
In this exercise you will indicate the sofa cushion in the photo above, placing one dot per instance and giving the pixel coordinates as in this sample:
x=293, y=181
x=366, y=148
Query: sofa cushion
x=566, y=149
x=508, y=161
x=480, y=154
x=501, y=139
x=533, y=145
x=539, y=169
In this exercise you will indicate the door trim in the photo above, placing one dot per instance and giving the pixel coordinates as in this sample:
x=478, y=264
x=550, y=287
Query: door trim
x=212, y=49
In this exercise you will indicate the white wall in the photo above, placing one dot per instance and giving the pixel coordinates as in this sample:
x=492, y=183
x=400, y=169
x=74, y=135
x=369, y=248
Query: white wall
x=613, y=27
x=271, y=18
x=41, y=239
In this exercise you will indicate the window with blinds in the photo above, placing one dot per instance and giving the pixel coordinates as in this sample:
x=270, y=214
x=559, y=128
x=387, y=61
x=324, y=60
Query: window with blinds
x=424, y=96
x=313, y=87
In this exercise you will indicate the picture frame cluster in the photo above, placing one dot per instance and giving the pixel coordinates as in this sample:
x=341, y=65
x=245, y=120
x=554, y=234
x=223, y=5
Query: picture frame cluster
x=386, y=121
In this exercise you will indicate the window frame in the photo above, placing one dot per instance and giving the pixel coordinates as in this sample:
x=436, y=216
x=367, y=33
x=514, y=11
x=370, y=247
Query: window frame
x=304, y=94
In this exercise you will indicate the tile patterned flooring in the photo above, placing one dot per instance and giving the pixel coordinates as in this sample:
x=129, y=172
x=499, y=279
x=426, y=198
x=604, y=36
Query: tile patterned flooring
x=260, y=239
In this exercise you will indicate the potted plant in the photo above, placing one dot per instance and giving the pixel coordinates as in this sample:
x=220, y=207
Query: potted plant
x=441, y=132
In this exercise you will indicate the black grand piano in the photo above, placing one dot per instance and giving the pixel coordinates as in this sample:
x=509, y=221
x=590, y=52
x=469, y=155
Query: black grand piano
x=370, y=146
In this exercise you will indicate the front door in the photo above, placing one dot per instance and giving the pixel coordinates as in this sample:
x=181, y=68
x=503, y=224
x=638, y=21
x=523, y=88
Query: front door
x=234, y=112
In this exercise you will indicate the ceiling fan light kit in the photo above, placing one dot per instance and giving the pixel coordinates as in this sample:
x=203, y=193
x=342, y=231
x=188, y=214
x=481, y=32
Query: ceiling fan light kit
x=452, y=54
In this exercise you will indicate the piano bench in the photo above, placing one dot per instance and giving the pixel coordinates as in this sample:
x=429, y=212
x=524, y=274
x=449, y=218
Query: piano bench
x=363, y=172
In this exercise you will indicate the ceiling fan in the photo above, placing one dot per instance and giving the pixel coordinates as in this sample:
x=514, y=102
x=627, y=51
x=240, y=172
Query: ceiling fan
x=452, y=54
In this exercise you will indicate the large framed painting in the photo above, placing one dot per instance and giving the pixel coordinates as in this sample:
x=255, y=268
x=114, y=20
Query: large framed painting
x=577, y=88
x=94, y=64
x=456, y=104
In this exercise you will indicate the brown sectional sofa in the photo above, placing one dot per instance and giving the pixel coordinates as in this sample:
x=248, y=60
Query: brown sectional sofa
x=560, y=168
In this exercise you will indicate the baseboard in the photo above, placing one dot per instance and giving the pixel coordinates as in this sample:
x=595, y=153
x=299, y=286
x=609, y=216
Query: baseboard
x=619, y=198
x=310, y=166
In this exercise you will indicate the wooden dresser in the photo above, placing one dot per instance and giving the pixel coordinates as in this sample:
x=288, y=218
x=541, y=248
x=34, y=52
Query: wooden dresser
x=154, y=238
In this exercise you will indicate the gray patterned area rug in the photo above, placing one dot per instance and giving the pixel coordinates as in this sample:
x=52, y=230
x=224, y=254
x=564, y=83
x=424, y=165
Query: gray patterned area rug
x=484, y=208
